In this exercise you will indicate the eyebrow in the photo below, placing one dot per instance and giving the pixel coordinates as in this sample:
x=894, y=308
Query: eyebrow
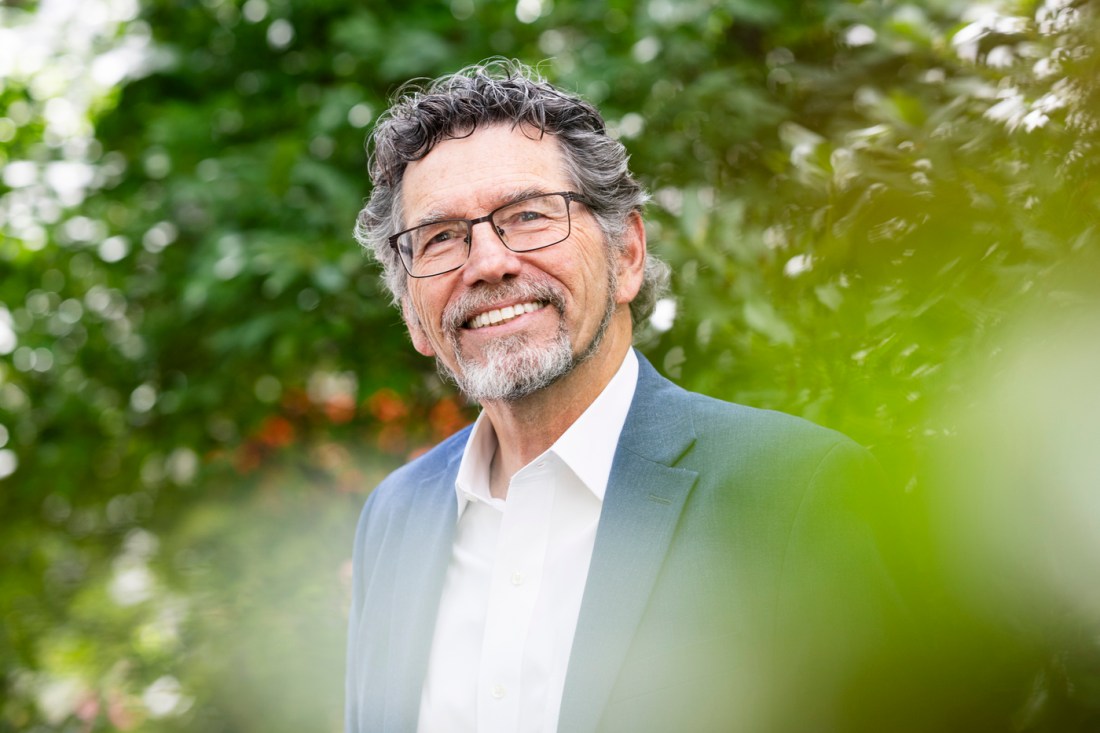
x=437, y=215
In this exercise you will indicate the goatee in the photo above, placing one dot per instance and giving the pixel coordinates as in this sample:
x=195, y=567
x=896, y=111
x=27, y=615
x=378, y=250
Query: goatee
x=513, y=367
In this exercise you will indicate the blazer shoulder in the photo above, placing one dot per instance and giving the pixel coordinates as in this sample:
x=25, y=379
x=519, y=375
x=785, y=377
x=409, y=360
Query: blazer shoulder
x=671, y=424
x=722, y=421
x=809, y=470
x=421, y=469
x=412, y=485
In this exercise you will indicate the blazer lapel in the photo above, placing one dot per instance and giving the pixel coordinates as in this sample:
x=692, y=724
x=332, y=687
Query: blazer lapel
x=421, y=567
x=644, y=498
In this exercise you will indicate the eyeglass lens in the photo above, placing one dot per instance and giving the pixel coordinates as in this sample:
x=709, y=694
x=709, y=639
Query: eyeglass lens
x=526, y=225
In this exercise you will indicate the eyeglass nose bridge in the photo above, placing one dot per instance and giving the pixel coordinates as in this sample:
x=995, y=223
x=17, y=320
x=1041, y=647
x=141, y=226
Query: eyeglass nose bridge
x=474, y=222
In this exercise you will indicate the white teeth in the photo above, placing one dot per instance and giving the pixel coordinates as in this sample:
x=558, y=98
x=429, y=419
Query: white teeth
x=507, y=313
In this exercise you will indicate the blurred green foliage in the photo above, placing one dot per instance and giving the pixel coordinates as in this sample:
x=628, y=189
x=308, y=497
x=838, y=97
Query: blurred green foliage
x=200, y=377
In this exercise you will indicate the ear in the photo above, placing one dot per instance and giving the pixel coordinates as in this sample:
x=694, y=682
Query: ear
x=416, y=331
x=631, y=260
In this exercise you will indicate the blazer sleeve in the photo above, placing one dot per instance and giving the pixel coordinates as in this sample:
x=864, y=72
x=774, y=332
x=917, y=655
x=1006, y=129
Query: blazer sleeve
x=841, y=622
x=352, y=680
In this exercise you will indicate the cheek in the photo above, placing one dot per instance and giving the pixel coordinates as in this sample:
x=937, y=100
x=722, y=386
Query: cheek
x=427, y=305
x=415, y=314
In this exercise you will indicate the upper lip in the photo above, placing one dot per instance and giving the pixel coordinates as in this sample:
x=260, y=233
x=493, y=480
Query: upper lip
x=476, y=302
x=496, y=307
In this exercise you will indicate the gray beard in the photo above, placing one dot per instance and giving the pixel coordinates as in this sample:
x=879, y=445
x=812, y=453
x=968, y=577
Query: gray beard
x=514, y=368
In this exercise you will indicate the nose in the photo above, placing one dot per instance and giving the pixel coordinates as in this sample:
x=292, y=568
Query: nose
x=489, y=260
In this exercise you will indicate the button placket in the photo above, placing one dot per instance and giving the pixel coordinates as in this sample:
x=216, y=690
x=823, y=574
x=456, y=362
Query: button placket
x=520, y=552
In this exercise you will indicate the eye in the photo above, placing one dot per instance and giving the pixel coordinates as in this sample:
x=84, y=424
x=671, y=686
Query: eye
x=522, y=217
x=435, y=235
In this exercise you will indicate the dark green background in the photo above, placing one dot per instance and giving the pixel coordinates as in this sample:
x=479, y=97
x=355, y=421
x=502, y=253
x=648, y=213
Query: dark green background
x=856, y=219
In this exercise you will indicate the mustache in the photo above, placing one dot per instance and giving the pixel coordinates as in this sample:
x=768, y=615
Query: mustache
x=475, y=300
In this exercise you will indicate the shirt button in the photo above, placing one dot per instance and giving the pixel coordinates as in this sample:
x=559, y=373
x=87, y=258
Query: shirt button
x=517, y=578
x=498, y=691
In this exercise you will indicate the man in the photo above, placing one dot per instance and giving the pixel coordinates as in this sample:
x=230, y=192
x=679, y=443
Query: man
x=601, y=550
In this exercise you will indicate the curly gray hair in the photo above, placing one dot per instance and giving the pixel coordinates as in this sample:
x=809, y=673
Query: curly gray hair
x=500, y=92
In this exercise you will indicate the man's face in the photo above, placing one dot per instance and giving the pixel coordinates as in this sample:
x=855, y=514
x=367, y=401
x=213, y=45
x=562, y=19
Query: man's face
x=561, y=298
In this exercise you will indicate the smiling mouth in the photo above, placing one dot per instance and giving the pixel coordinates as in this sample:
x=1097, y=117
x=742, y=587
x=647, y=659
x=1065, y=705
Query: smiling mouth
x=502, y=315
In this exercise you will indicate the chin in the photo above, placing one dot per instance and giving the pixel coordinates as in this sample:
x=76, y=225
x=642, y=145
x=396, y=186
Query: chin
x=511, y=368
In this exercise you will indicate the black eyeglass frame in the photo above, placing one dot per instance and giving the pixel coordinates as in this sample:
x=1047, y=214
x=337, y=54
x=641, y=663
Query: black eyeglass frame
x=569, y=197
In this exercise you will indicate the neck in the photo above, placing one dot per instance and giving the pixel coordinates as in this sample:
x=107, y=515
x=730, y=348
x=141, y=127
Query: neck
x=526, y=428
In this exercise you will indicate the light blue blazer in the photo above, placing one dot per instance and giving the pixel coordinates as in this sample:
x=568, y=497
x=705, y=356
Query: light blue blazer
x=736, y=581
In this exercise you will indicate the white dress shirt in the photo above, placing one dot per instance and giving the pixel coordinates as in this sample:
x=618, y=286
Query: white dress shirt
x=513, y=587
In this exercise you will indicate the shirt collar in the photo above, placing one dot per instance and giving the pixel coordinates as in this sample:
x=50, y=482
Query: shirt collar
x=587, y=447
x=472, y=481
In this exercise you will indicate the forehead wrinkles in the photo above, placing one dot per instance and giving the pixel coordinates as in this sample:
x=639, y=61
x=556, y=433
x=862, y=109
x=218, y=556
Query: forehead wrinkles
x=475, y=174
x=492, y=204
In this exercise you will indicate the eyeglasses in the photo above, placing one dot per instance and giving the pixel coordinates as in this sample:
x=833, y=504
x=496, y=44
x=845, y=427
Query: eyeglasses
x=535, y=222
